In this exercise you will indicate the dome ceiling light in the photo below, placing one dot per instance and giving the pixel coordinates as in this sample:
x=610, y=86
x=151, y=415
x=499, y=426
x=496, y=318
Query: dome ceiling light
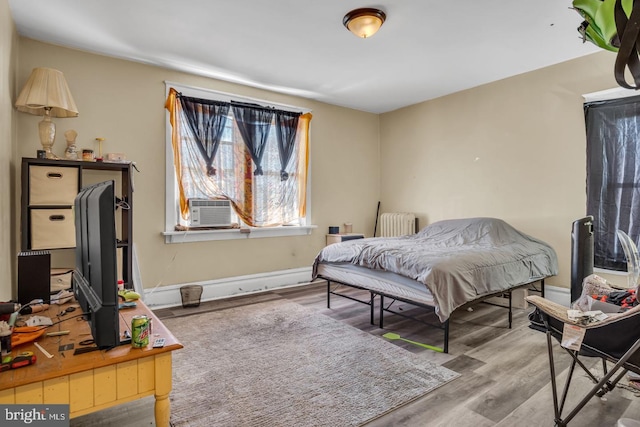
x=364, y=22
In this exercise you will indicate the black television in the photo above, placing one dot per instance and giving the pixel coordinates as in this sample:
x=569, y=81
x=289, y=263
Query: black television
x=95, y=275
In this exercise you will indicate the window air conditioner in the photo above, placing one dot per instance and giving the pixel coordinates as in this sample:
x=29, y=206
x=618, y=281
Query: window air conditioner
x=209, y=213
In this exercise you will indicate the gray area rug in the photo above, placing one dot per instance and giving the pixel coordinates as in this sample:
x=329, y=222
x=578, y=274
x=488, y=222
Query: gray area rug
x=278, y=363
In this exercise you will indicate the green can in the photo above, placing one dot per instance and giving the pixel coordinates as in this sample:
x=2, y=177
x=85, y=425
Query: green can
x=140, y=331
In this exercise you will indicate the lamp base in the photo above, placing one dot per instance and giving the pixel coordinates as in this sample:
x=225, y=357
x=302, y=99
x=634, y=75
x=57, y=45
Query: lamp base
x=47, y=132
x=49, y=155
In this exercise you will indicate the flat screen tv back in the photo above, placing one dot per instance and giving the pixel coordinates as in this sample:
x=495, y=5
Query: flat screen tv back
x=95, y=274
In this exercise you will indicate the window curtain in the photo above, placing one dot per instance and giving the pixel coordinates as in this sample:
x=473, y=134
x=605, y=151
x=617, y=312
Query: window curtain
x=259, y=201
x=206, y=119
x=613, y=176
x=174, y=108
x=254, y=124
x=286, y=130
x=303, y=165
x=197, y=127
x=267, y=201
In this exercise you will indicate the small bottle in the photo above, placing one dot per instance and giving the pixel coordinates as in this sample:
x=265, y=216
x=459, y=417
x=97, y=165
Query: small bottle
x=87, y=155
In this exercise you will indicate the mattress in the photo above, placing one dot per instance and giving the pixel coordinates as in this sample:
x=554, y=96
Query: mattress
x=378, y=281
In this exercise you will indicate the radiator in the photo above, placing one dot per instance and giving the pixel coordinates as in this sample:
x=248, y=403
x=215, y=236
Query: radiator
x=397, y=224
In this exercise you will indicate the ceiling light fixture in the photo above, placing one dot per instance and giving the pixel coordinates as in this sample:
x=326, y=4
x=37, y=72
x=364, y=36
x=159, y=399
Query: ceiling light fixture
x=364, y=22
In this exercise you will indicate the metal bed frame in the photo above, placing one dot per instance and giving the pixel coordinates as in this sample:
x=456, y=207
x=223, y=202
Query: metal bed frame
x=444, y=326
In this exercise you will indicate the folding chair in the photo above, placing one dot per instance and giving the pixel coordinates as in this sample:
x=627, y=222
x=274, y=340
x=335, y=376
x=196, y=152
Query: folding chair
x=615, y=340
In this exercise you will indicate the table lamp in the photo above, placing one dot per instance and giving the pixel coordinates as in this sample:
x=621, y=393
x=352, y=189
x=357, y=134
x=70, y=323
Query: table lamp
x=46, y=94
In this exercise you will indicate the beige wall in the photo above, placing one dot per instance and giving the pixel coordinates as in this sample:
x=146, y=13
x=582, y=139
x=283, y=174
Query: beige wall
x=8, y=232
x=123, y=102
x=513, y=149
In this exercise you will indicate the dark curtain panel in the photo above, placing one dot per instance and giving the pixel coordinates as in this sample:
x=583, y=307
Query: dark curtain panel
x=206, y=120
x=613, y=176
x=254, y=124
x=286, y=129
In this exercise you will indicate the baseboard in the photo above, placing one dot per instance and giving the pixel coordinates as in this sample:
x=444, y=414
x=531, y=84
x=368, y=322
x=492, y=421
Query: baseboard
x=554, y=293
x=169, y=296
x=517, y=299
x=557, y=294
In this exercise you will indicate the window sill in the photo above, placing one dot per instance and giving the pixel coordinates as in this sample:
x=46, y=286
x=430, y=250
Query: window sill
x=618, y=278
x=234, y=234
x=612, y=272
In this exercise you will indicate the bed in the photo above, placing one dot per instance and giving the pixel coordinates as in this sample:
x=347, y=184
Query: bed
x=447, y=265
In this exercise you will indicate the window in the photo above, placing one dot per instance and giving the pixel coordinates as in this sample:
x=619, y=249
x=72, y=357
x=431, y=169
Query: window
x=613, y=176
x=225, y=147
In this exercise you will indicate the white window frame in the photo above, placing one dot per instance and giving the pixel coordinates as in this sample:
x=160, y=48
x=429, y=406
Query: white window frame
x=171, y=195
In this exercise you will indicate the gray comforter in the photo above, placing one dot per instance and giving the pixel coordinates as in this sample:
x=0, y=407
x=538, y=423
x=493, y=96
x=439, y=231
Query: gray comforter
x=458, y=260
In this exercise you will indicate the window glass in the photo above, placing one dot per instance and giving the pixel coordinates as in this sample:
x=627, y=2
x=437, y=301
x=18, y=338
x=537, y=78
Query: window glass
x=613, y=176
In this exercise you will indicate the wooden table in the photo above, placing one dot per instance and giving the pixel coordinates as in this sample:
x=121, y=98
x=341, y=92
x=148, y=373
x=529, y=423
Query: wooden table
x=96, y=380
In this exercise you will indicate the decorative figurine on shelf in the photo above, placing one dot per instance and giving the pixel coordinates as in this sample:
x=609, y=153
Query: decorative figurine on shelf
x=100, y=140
x=71, y=152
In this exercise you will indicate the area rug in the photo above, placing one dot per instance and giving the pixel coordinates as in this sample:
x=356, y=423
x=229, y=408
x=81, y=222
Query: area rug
x=278, y=363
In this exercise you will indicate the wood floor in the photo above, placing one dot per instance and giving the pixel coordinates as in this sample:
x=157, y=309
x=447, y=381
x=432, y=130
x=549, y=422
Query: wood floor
x=505, y=372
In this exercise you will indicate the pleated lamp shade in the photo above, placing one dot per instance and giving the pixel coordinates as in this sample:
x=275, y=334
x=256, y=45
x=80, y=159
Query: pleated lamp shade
x=47, y=88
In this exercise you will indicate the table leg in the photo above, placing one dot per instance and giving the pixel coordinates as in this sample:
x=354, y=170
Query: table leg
x=163, y=374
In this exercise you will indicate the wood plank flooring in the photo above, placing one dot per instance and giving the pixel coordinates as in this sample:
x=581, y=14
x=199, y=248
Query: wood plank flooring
x=505, y=372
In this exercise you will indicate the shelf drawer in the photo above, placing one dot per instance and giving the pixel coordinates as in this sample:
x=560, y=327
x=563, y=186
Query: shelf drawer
x=52, y=185
x=52, y=229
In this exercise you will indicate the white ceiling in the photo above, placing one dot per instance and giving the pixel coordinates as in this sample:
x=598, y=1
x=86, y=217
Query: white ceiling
x=425, y=49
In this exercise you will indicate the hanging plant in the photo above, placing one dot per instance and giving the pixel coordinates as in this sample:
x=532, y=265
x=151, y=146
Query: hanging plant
x=614, y=25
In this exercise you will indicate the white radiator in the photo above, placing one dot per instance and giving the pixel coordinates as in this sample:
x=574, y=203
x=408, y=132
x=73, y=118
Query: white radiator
x=397, y=224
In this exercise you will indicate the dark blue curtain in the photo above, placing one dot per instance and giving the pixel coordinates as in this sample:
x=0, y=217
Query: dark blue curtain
x=613, y=176
x=207, y=120
x=254, y=124
x=286, y=129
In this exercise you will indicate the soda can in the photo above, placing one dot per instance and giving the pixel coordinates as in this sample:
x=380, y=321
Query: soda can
x=139, y=331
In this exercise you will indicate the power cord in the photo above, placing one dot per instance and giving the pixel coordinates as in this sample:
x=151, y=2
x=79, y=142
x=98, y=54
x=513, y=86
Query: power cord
x=53, y=324
x=120, y=203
